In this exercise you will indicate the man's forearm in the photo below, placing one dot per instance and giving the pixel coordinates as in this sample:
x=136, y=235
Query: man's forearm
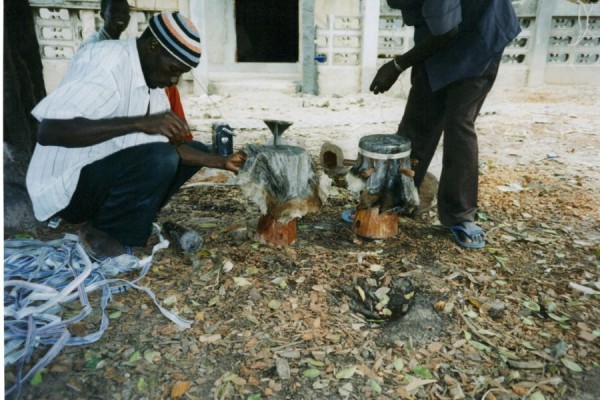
x=422, y=50
x=195, y=157
x=82, y=132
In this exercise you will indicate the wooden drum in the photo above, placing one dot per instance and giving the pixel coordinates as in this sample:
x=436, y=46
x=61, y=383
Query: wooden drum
x=383, y=180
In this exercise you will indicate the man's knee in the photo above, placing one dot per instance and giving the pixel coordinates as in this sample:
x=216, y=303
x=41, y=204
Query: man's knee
x=161, y=161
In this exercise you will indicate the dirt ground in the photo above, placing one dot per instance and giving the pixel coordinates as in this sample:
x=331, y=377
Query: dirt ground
x=519, y=319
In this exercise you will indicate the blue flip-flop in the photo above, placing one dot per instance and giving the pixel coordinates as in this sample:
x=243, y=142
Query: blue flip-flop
x=348, y=215
x=455, y=229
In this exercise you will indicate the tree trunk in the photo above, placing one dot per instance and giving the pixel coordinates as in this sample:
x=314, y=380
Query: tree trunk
x=23, y=89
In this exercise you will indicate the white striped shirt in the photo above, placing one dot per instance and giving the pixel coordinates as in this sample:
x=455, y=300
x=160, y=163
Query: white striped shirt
x=99, y=36
x=104, y=80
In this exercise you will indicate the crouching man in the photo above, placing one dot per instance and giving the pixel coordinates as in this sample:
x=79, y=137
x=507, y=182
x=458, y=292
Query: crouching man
x=110, y=152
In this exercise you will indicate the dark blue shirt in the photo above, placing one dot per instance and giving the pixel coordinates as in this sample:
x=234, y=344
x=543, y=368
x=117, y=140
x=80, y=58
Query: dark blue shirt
x=485, y=27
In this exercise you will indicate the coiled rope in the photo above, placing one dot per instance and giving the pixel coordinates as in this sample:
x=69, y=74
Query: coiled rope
x=40, y=278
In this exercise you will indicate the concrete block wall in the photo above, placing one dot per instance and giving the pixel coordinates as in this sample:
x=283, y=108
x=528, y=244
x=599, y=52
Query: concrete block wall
x=62, y=25
x=559, y=42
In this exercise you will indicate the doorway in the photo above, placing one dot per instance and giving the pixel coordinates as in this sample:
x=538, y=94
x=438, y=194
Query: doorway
x=267, y=31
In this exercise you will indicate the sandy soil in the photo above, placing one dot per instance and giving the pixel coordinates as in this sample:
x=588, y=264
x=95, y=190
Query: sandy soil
x=508, y=322
x=517, y=126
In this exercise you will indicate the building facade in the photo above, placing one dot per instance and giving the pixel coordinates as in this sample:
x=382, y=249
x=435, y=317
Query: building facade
x=324, y=46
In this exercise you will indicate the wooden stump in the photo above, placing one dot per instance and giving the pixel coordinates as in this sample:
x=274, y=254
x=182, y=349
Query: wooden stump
x=370, y=224
x=269, y=231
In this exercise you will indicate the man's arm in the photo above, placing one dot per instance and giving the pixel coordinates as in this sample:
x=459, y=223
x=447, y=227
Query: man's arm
x=390, y=71
x=192, y=156
x=83, y=132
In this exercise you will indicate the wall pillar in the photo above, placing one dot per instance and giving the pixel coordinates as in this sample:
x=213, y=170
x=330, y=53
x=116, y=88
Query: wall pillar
x=539, y=50
x=370, y=42
x=307, y=46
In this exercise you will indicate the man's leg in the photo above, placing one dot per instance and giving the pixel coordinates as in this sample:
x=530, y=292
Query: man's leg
x=422, y=121
x=122, y=193
x=184, y=172
x=457, y=193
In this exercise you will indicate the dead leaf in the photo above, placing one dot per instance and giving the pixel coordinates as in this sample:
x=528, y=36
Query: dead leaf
x=180, y=389
x=210, y=338
x=417, y=383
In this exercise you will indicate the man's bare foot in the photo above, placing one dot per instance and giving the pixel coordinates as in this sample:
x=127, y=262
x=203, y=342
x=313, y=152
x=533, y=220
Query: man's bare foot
x=100, y=244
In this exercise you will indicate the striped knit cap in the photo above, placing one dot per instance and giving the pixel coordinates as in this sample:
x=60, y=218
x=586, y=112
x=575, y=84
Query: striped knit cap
x=178, y=36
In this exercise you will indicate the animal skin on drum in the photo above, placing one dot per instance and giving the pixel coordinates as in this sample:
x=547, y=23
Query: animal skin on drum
x=282, y=181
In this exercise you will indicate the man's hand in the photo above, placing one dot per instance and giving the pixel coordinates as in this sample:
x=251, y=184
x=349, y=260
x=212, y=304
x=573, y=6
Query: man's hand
x=236, y=161
x=169, y=125
x=385, y=78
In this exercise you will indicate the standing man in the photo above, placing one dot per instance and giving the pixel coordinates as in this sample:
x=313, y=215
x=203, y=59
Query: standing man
x=110, y=152
x=455, y=60
x=115, y=14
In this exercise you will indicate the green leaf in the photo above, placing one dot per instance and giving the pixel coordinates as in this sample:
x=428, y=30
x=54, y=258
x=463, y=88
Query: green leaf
x=571, y=365
x=596, y=332
x=314, y=362
x=422, y=371
x=528, y=321
x=230, y=377
x=255, y=396
x=134, y=357
x=311, y=373
x=346, y=373
x=115, y=314
x=399, y=364
x=151, y=355
x=23, y=236
x=37, y=379
x=382, y=292
x=480, y=346
x=375, y=387
x=92, y=362
x=142, y=386
x=532, y=305
x=169, y=301
x=537, y=396
x=241, y=281
x=274, y=304
x=558, y=318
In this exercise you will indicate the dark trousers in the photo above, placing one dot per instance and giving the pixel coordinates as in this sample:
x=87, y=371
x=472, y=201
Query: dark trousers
x=451, y=110
x=121, y=194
